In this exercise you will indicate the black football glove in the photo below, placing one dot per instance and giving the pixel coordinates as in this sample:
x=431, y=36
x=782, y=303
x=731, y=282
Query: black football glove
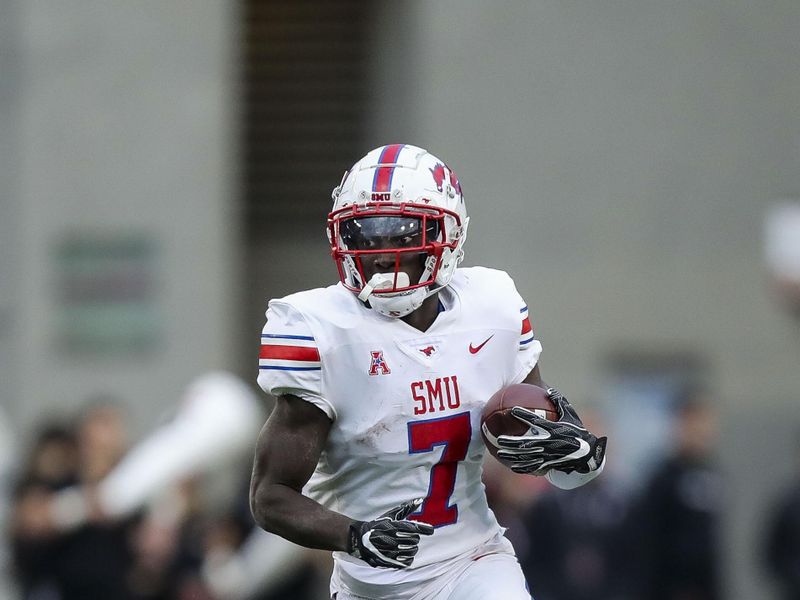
x=564, y=445
x=390, y=540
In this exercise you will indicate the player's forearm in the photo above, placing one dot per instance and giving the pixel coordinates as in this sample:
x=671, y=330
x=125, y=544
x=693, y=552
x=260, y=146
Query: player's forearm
x=282, y=510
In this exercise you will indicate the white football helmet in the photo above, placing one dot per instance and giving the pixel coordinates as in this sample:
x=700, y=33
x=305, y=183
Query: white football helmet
x=397, y=200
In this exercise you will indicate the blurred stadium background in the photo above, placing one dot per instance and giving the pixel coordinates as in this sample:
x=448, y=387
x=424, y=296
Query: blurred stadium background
x=165, y=168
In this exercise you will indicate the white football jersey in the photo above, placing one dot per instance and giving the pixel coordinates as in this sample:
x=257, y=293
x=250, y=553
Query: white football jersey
x=405, y=404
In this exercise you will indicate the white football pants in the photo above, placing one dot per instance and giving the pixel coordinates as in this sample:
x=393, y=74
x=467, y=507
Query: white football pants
x=494, y=576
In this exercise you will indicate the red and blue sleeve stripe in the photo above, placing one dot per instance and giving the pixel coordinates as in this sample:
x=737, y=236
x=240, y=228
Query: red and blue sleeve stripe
x=288, y=353
x=526, y=333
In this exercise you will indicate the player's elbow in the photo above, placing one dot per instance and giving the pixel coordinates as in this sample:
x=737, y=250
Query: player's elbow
x=265, y=505
x=259, y=504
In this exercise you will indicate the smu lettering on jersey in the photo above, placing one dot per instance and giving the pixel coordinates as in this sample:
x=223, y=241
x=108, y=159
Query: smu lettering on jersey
x=405, y=404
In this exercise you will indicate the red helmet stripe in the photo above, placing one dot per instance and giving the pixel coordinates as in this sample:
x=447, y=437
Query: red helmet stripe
x=382, y=181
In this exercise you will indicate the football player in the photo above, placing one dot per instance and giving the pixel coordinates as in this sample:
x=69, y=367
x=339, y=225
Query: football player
x=373, y=449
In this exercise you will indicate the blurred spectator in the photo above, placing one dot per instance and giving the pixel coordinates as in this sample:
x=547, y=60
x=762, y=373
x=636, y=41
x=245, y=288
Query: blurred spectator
x=94, y=521
x=579, y=544
x=91, y=562
x=216, y=422
x=244, y=562
x=102, y=440
x=679, y=513
x=782, y=542
x=53, y=461
x=87, y=563
x=52, y=465
x=167, y=548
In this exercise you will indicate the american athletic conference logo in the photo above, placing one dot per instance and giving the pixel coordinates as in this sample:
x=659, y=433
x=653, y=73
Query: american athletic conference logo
x=378, y=364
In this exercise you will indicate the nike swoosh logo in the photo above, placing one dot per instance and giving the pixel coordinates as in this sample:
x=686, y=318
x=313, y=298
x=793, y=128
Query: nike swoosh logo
x=583, y=451
x=476, y=349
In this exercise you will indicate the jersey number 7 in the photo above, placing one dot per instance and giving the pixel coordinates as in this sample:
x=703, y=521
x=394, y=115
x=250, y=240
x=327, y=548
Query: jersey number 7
x=454, y=433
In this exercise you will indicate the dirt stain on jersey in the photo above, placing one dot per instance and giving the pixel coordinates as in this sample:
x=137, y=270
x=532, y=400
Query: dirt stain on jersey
x=370, y=436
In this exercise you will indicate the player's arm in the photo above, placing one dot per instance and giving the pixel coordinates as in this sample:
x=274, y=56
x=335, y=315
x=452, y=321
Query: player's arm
x=535, y=378
x=565, y=451
x=287, y=452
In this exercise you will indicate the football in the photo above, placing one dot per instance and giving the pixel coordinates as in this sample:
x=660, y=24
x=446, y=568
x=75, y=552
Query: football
x=497, y=419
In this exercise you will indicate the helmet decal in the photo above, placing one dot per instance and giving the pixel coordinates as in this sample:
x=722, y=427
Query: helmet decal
x=455, y=182
x=438, y=177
